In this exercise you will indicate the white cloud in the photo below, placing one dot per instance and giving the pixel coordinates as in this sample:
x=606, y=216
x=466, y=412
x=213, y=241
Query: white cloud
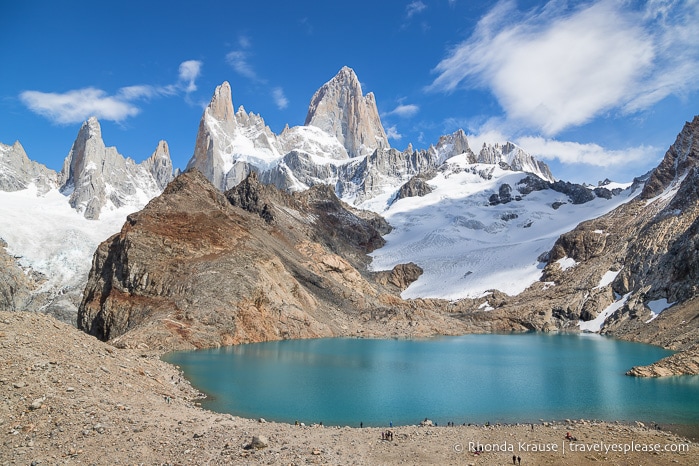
x=238, y=59
x=414, y=8
x=392, y=133
x=78, y=105
x=555, y=67
x=189, y=72
x=586, y=154
x=404, y=111
x=279, y=98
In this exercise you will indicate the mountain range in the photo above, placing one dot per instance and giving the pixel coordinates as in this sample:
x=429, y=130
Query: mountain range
x=324, y=229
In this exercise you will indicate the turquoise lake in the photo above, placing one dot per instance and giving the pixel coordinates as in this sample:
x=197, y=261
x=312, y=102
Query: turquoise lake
x=466, y=379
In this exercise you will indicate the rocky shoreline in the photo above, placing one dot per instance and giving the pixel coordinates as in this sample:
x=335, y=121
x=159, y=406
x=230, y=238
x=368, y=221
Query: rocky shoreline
x=68, y=398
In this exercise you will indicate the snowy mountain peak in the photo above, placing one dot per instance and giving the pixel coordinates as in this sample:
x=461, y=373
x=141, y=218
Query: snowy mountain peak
x=453, y=144
x=17, y=172
x=340, y=109
x=96, y=177
x=229, y=144
x=515, y=157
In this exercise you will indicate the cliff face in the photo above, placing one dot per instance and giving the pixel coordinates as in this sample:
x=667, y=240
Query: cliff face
x=339, y=108
x=197, y=268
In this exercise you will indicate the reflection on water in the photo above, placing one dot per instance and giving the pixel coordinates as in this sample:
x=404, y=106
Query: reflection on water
x=471, y=379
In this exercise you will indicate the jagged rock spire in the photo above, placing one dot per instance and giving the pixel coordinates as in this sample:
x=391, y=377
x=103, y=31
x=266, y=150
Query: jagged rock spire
x=339, y=108
x=96, y=176
x=229, y=144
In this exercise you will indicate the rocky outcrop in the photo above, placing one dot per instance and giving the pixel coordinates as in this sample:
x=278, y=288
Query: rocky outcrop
x=16, y=287
x=96, y=177
x=17, y=171
x=417, y=186
x=679, y=158
x=401, y=276
x=159, y=165
x=682, y=363
x=339, y=108
x=197, y=268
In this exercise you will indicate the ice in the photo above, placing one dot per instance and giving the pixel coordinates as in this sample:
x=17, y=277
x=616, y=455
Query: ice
x=46, y=234
x=466, y=246
x=566, y=263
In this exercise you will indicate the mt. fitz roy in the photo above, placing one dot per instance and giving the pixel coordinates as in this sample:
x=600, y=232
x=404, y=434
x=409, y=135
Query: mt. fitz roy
x=342, y=144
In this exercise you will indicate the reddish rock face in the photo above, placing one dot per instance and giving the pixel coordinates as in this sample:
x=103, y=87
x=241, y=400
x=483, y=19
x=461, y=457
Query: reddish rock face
x=197, y=268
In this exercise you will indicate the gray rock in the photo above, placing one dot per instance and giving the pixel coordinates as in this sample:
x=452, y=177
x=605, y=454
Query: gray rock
x=339, y=108
x=17, y=172
x=94, y=175
x=259, y=441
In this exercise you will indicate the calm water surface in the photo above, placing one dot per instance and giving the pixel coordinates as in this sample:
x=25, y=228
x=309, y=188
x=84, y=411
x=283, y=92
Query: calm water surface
x=472, y=378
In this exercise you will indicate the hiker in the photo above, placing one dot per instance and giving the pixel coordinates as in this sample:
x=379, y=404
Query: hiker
x=514, y=459
x=519, y=460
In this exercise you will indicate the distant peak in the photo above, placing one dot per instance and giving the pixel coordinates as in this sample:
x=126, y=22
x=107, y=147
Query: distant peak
x=91, y=127
x=221, y=105
x=162, y=150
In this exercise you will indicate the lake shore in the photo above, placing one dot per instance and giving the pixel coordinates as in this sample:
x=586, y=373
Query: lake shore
x=69, y=398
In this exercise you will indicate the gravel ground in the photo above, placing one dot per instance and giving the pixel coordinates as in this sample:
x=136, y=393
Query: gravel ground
x=67, y=398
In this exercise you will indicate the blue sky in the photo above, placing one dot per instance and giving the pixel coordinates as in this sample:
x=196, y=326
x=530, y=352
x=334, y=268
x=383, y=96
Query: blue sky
x=594, y=88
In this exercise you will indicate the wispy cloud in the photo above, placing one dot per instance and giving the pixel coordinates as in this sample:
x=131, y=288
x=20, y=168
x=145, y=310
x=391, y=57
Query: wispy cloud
x=588, y=154
x=238, y=59
x=279, y=98
x=404, y=111
x=77, y=105
x=306, y=24
x=392, y=133
x=555, y=67
x=189, y=72
x=414, y=8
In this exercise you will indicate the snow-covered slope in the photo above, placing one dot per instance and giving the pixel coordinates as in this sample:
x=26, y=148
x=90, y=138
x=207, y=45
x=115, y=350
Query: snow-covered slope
x=465, y=244
x=47, y=236
x=52, y=223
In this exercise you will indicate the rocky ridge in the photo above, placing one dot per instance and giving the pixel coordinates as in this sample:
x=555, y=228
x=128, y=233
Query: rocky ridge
x=197, y=268
x=17, y=171
x=44, y=215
